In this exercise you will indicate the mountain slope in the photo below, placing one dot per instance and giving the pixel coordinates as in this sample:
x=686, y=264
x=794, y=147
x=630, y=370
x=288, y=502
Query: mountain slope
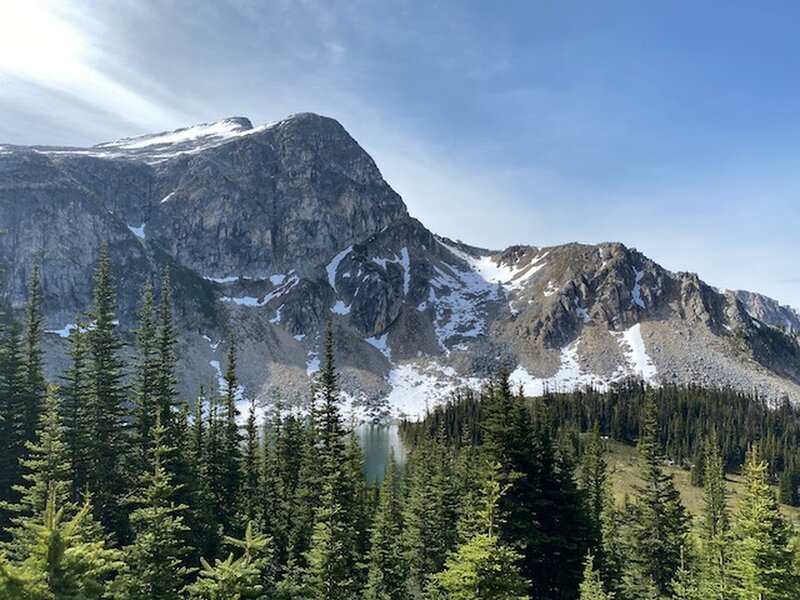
x=271, y=230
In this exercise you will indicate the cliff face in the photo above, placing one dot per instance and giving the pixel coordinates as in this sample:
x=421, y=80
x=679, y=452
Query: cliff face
x=268, y=231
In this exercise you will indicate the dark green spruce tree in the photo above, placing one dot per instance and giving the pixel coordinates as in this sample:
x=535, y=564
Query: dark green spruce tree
x=331, y=573
x=34, y=386
x=155, y=558
x=75, y=392
x=12, y=423
x=205, y=537
x=105, y=412
x=544, y=512
x=430, y=513
x=659, y=523
x=46, y=470
x=166, y=381
x=508, y=440
x=227, y=450
x=594, y=483
x=271, y=494
x=483, y=568
x=250, y=501
x=387, y=566
x=715, y=533
x=144, y=410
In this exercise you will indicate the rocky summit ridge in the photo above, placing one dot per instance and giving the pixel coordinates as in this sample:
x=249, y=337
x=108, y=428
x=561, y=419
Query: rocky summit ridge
x=271, y=230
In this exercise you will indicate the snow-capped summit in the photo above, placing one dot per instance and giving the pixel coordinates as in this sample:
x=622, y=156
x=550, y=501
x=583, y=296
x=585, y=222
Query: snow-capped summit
x=204, y=132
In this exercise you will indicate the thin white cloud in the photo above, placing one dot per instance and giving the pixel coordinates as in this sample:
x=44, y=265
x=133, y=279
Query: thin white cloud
x=435, y=96
x=40, y=47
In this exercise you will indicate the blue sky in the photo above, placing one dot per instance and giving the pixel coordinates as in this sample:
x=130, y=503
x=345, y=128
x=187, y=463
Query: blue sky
x=669, y=126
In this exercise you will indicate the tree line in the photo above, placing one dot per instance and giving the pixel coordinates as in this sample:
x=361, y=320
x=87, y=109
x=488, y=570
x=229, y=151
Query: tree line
x=687, y=416
x=112, y=486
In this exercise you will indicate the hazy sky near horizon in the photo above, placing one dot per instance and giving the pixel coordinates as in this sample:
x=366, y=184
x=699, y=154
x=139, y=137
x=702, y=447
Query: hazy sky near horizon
x=672, y=127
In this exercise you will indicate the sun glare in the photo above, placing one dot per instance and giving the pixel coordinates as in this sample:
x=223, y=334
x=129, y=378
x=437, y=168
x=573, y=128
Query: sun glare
x=36, y=42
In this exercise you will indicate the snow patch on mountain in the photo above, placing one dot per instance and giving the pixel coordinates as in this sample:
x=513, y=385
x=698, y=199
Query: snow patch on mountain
x=403, y=260
x=569, y=376
x=225, y=129
x=64, y=331
x=212, y=344
x=222, y=384
x=333, y=266
x=284, y=288
x=340, y=308
x=137, y=231
x=417, y=389
x=492, y=271
x=636, y=354
x=380, y=343
x=459, y=302
x=157, y=148
x=273, y=279
x=228, y=279
x=243, y=300
x=582, y=312
x=313, y=364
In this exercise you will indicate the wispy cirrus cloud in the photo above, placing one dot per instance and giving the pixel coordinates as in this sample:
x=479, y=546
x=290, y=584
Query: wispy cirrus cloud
x=541, y=123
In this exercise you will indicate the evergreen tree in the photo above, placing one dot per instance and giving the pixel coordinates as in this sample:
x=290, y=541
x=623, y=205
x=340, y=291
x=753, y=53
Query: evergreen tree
x=387, y=566
x=788, y=484
x=761, y=561
x=697, y=473
x=229, y=457
x=302, y=487
x=250, y=501
x=214, y=467
x=715, y=531
x=62, y=562
x=564, y=534
x=12, y=419
x=33, y=389
x=429, y=513
x=146, y=369
x=484, y=568
x=592, y=585
x=659, y=521
x=204, y=533
x=105, y=407
x=615, y=556
x=544, y=510
x=594, y=483
x=359, y=508
x=74, y=406
x=165, y=379
x=685, y=585
x=509, y=440
x=46, y=470
x=272, y=495
x=236, y=579
x=331, y=556
x=155, y=558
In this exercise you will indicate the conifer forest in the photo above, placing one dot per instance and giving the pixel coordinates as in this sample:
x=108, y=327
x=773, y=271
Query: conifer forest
x=113, y=486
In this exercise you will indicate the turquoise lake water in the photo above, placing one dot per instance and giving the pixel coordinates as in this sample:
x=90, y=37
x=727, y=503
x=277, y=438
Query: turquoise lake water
x=378, y=442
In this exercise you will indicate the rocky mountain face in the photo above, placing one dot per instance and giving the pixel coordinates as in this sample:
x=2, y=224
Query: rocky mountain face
x=269, y=231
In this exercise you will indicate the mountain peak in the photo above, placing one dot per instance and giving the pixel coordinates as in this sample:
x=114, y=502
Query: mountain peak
x=275, y=228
